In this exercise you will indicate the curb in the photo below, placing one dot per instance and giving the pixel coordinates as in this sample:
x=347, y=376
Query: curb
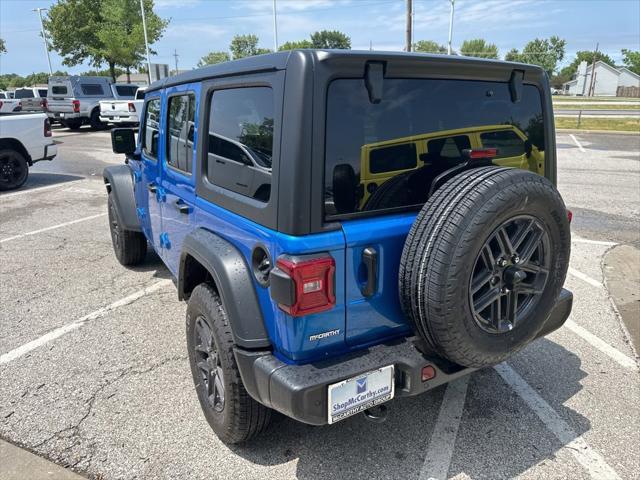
x=580, y=130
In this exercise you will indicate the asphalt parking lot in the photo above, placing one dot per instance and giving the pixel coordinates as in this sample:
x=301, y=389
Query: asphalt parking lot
x=94, y=375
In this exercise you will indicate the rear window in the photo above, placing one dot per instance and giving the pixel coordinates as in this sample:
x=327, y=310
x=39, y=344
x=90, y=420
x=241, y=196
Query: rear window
x=126, y=90
x=24, y=93
x=42, y=92
x=92, y=89
x=140, y=95
x=59, y=90
x=2, y=95
x=431, y=119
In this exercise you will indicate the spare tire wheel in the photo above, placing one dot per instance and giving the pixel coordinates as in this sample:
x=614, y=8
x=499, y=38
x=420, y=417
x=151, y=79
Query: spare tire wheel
x=484, y=264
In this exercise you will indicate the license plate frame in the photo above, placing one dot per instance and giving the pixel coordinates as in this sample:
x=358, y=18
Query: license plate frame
x=356, y=394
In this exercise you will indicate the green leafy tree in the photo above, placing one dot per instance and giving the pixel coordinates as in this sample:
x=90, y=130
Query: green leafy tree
x=3, y=47
x=246, y=46
x=429, y=46
x=479, y=48
x=585, y=56
x=544, y=52
x=212, y=58
x=330, y=39
x=295, y=45
x=102, y=31
x=631, y=60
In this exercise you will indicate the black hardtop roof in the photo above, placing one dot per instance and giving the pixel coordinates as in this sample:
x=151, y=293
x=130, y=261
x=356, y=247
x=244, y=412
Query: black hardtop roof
x=279, y=60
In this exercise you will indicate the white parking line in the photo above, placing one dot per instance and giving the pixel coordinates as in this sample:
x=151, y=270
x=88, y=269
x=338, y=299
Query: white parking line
x=54, y=227
x=443, y=438
x=575, y=140
x=593, y=242
x=604, y=347
x=60, y=331
x=591, y=460
x=585, y=278
x=38, y=189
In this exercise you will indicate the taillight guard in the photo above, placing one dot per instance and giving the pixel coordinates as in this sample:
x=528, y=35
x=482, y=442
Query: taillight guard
x=304, y=284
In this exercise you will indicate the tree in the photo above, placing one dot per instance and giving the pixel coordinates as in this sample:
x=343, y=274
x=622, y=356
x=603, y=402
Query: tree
x=3, y=48
x=585, y=56
x=212, y=58
x=429, y=46
x=330, y=39
x=479, y=48
x=246, y=46
x=295, y=45
x=543, y=52
x=631, y=60
x=102, y=31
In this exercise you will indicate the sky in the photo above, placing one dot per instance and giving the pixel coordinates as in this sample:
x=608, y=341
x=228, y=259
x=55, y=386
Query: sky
x=199, y=26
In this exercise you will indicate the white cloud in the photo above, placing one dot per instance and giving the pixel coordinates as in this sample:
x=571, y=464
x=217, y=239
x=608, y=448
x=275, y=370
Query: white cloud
x=162, y=4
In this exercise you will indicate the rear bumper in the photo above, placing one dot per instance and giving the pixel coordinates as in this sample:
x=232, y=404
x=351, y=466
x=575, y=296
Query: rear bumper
x=50, y=151
x=119, y=119
x=300, y=391
x=64, y=115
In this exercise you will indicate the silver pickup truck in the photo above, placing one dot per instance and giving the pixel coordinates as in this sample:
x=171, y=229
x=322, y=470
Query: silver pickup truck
x=33, y=99
x=75, y=100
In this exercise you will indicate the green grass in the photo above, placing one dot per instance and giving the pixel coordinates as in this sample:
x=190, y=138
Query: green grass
x=619, y=124
x=586, y=106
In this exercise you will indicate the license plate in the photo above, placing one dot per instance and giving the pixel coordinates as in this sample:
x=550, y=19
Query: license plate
x=357, y=394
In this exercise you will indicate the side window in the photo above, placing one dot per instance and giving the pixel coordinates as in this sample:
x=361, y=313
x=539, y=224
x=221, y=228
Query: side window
x=393, y=158
x=180, y=131
x=126, y=90
x=140, y=94
x=42, y=92
x=92, y=89
x=240, y=144
x=150, y=128
x=508, y=143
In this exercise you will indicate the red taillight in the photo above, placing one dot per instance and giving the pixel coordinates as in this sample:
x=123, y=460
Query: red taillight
x=303, y=285
x=481, y=153
x=132, y=107
x=1, y=103
x=569, y=215
x=76, y=106
x=47, y=127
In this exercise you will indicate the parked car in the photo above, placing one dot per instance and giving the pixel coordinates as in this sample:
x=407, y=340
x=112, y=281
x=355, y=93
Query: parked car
x=33, y=99
x=25, y=138
x=9, y=104
x=123, y=112
x=322, y=313
x=75, y=100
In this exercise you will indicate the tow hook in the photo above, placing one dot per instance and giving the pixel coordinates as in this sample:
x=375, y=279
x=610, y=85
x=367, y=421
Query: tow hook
x=377, y=414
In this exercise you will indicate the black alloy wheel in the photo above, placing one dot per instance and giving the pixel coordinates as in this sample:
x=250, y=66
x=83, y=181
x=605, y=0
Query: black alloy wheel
x=208, y=363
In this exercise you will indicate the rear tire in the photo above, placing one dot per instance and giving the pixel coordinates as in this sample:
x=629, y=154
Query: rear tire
x=450, y=264
x=129, y=246
x=14, y=169
x=72, y=124
x=95, y=122
x=230, y=411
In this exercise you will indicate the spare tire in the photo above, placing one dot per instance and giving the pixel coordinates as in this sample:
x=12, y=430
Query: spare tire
x=484, y=264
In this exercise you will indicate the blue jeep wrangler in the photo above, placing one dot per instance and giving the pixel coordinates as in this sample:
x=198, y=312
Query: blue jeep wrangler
x=346, y=227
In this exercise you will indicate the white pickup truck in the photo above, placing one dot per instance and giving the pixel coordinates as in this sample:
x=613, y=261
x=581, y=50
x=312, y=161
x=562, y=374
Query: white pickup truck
x=25, y=138
x=8, y=104
x=122, y=112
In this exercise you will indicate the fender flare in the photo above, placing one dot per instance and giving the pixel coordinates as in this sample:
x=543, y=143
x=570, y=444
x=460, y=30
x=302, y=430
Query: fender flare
x=119, y=182
x=233, y=281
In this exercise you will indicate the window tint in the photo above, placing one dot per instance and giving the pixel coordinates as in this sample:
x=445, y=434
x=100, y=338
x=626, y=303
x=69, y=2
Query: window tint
x=126, y=90
x=2, y=95
x=395, y=157
x=42, y=92
x=140, y=94
x=24, y=93
x=414, y=114
x=508, y=143
x=240, y=144
x=150, y=130
x=180, y=131
x=59, y=90
x=92, y=89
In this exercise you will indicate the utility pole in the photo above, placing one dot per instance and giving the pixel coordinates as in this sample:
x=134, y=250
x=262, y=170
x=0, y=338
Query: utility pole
x=593, y=72
x=275, y=27
x=44, y=37
x=175, y=55
x=450, y=27
x=146, y=41
x=409, y=32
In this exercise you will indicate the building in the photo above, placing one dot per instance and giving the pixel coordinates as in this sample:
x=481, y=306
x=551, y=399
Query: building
x=136, y=78
x=604, y=82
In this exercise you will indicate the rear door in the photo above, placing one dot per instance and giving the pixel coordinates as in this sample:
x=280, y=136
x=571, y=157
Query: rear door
x=60, y=96
x=178, y=166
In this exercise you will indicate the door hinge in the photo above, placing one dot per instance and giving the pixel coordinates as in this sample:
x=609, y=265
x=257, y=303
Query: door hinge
x=164, y=241
x=161, y=195
x=137, y=176
x=141, y=212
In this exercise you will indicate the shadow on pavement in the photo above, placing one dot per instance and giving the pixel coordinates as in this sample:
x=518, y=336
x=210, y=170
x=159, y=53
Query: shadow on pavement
x=42, y=179
x=499, y=437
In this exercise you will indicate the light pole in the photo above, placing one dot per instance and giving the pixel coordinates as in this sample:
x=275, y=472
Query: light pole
x=146, y=40
x=275, y=27
x=44, y=37
x=450, y=27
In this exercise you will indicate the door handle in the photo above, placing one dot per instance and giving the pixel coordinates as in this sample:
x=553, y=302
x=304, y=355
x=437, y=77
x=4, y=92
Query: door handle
x=370, y=260
x=152, y=187
x=182, y=207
